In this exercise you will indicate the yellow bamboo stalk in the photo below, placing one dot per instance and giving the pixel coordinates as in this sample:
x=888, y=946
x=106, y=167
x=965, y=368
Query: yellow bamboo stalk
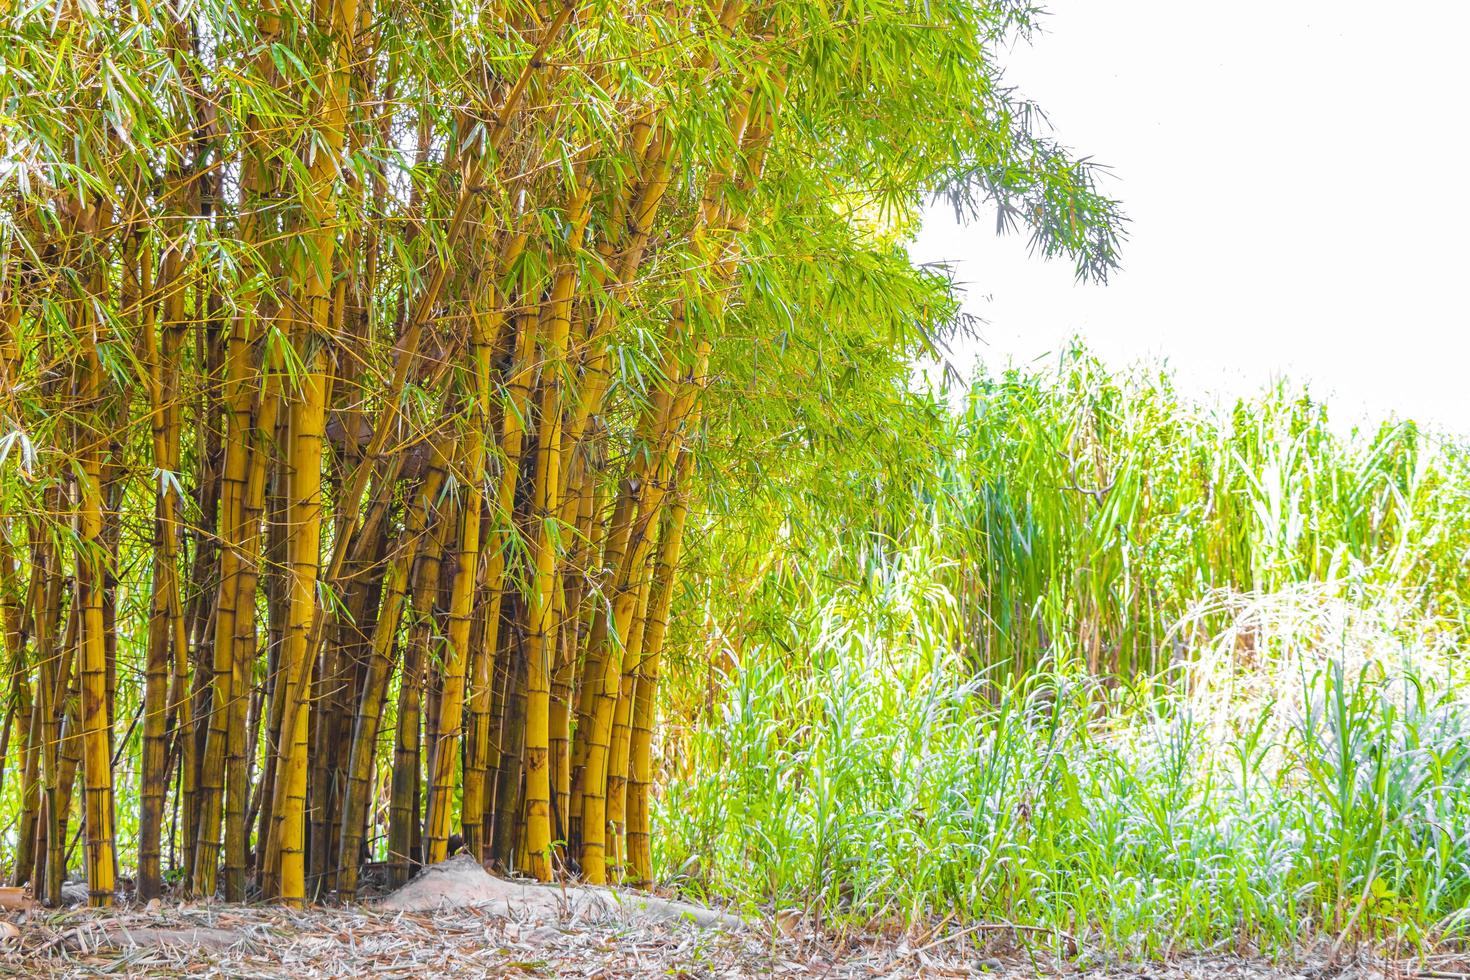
x=163, y=626
x=337, y=19
x=52, y=683
x=405, y=351
x=451, y=712
x=480, y=672
x=643, y=494
x=224, y=752
x=308, y=420
x=95, y=731
x=403, y=812
x=478, y=732
x=14, y=616
x=263, y=449
x=375, y=686
x=619, y=747
x=589, y=589
x=604, y=667
x=579, y=515
x=671, y=542
x=540, y=637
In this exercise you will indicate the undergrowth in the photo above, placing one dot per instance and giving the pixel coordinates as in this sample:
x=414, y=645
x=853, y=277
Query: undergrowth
x=1306, y=777
x=1134, y=671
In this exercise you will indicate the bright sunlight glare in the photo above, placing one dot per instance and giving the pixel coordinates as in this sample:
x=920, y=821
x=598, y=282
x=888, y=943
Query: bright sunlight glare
x=1289, y=169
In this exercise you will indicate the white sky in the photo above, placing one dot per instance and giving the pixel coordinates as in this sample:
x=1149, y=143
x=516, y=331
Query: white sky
x=1298, y=183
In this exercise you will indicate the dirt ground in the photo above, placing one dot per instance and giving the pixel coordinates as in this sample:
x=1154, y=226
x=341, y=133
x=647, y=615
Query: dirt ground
x=459, y=922
x=233, y=941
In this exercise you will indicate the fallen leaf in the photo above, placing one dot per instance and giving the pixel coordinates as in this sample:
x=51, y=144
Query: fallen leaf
x=15, y=898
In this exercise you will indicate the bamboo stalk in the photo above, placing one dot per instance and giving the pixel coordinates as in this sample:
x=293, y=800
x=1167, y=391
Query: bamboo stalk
x=640, y=779
x=92, y=657
x=375, y=686
x=403, y=809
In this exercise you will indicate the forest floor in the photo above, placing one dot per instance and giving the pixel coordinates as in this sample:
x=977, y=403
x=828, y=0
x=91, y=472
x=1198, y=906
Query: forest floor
x=211, y=940
x=225, y=941
x=518, y=930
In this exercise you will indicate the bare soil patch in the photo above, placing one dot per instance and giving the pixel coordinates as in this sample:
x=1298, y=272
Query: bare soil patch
x=457, y=921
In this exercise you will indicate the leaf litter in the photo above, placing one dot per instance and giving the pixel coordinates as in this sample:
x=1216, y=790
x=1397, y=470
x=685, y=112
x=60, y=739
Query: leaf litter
x=454, y=920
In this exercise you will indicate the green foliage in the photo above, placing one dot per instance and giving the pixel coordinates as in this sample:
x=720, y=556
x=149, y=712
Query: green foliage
x=1079, y=512
x=874, y=777
x=1090, y=657
x=232, y=206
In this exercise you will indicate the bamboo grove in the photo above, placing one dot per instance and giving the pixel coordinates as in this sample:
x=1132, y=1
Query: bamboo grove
x=360, y=361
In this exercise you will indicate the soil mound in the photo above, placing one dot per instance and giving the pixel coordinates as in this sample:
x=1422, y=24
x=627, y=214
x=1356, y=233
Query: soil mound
x=461, y=883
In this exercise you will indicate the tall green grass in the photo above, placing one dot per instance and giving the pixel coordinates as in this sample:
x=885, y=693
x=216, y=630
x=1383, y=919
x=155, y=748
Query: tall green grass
x=1099, y=506
x=881, y=780
x=1144, y=674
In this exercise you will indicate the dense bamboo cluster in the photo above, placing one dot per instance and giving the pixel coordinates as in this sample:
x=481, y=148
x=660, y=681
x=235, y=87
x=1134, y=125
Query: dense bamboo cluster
x=356, y=358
